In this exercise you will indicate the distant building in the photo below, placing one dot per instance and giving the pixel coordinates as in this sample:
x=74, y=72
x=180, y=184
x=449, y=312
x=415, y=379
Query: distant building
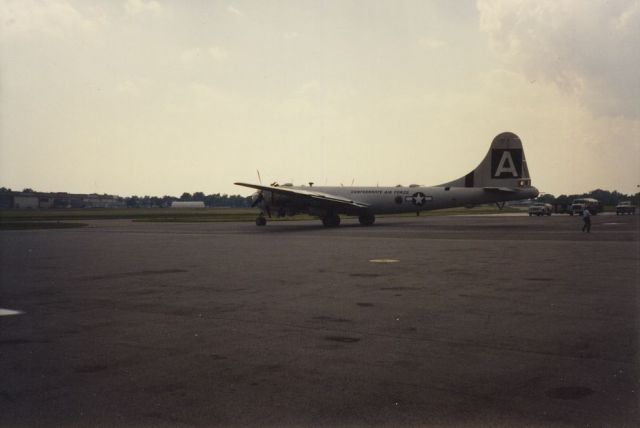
x=102, y=201
x=25, y=201
x=6, y=200
x=45, y=201
x=22, y=200
x=187, y=204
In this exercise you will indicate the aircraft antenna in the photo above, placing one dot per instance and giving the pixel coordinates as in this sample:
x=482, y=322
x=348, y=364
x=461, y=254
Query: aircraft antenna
x=259, y=179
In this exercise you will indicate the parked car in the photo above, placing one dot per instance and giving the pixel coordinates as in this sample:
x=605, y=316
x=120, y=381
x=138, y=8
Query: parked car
x=578, y=206
x=539, y=208
x=625, y=207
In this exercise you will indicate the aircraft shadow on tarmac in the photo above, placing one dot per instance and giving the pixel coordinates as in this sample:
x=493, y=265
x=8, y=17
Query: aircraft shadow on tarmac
x=313, y=227
x=310, y=226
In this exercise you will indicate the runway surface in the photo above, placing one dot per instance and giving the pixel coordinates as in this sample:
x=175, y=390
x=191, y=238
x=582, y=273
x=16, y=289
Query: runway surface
x=502, y=321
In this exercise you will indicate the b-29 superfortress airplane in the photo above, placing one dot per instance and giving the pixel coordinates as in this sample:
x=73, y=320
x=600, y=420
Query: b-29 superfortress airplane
x=501, y=176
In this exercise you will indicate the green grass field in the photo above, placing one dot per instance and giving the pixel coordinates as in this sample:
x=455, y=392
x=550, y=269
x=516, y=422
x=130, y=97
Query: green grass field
x=187, y=215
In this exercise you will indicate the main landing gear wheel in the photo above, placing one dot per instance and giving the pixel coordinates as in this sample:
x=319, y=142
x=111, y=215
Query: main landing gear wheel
x=261, y=221
x=366, y=219
x=331, y=220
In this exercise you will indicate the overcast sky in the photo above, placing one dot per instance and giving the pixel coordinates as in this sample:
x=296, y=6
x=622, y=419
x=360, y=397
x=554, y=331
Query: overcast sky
x=161, y=97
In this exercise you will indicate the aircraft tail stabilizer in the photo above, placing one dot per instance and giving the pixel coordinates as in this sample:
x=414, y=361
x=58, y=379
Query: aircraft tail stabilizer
x=504, y=166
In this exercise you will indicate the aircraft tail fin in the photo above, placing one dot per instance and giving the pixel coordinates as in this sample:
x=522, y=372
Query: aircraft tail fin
x=503, y=167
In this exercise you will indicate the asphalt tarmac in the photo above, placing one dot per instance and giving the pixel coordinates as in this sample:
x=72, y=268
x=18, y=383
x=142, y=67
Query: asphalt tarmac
x=430, y=321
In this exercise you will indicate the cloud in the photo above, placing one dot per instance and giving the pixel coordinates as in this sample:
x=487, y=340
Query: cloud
x=291, y=35
x=587, y=49
x=57, y=18
x=310, y=87
x=133, y=87
x=217, y=53
x=137, y=7
x=233, y=10
x=195, y=54
x=431, y=43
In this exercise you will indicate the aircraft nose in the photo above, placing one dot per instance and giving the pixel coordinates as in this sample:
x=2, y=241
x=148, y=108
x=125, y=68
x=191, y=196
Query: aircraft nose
x=534, y=192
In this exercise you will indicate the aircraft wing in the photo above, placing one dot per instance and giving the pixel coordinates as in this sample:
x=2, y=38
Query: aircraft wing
x=318, y=197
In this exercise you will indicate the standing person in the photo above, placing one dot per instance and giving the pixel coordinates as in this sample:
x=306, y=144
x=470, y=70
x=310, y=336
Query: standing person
x=586, y=218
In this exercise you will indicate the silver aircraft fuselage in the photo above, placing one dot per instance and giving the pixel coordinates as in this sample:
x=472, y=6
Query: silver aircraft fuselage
x=393, y=200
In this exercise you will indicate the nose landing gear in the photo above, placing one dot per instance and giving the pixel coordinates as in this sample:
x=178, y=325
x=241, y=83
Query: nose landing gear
x=261, y=221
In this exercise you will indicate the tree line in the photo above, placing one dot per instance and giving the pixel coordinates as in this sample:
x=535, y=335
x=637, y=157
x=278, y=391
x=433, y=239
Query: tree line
x=213, y=200
x=604, y=196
